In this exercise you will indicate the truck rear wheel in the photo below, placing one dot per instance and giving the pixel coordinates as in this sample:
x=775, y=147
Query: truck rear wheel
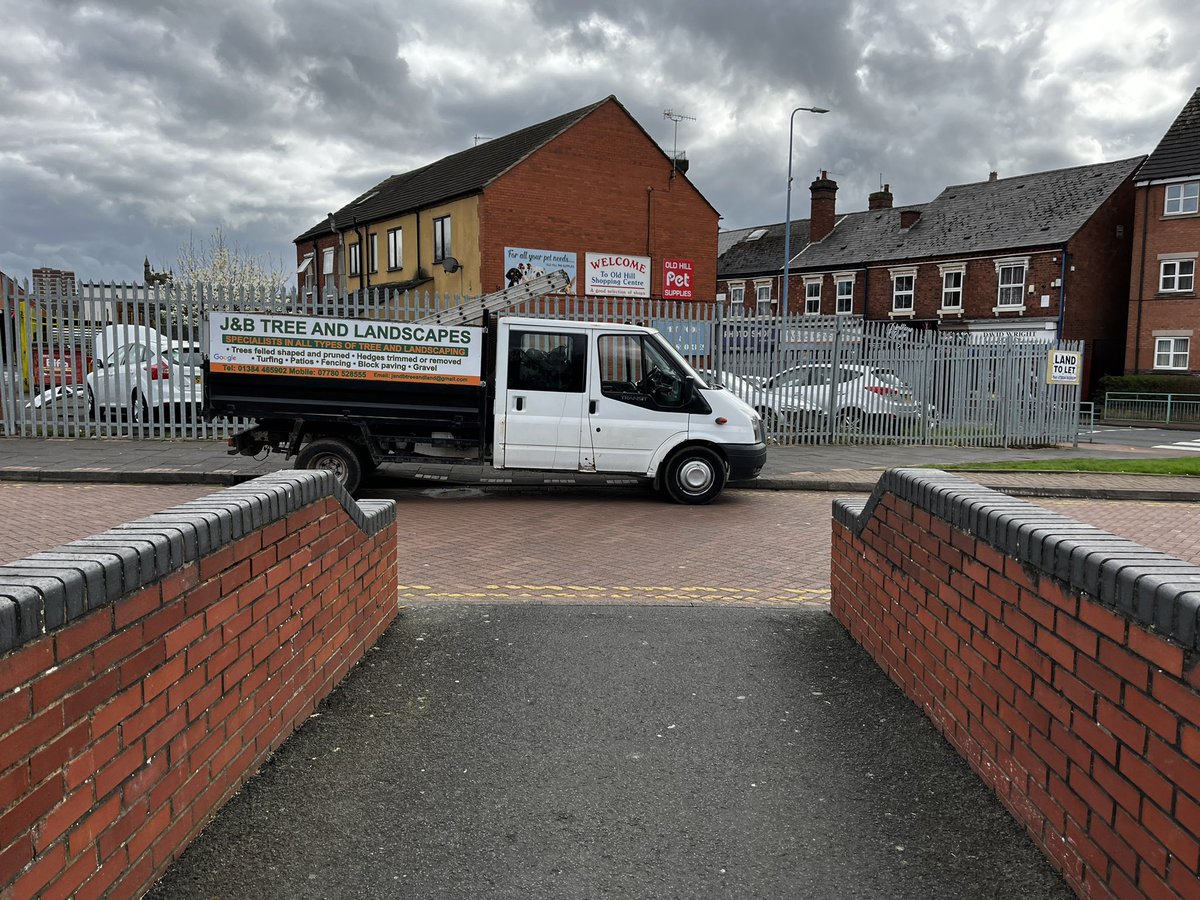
x=336, y=455
x=694, y=475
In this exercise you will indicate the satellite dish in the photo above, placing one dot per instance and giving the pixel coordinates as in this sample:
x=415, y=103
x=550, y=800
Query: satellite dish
x=450, y=265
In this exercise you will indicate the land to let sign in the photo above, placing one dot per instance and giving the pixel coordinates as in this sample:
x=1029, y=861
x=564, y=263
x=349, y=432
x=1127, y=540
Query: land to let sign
x=358, y=349
x=1064, y=367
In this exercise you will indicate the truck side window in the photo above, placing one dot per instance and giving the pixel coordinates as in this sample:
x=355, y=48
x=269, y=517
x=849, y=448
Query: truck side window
x=547, y=361
x=634, y=368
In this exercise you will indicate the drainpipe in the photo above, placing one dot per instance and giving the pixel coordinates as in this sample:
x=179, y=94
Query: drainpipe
x=1062, y=293
x=1141, y=295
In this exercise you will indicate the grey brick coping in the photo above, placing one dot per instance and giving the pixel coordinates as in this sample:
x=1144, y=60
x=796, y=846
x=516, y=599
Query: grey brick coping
x=1152, y=588
x=50, y=590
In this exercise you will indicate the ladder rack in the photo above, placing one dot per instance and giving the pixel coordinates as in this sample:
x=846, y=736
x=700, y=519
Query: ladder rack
x=471, y=310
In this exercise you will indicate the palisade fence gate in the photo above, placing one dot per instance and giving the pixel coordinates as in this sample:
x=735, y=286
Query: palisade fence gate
x=67, y=368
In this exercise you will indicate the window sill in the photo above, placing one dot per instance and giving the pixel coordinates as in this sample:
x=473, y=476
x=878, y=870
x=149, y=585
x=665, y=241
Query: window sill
x=902, y=313
x=951, y=311
x=1019, y=310
x=1175, y=295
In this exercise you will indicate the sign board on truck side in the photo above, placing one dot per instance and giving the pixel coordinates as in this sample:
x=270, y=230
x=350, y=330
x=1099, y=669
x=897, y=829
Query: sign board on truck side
x=305, y=346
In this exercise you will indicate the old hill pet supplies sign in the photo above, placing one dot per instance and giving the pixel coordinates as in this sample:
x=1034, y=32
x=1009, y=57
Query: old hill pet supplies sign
x=616, y=275
x=306, y=347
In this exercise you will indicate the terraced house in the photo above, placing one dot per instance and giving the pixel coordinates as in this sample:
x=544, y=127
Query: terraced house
x=1164, y=316
x=589, y=184
x=1044, y=255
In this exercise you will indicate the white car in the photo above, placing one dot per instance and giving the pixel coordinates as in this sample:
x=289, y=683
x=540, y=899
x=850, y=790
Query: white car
x=142, y=375
x=858, y=396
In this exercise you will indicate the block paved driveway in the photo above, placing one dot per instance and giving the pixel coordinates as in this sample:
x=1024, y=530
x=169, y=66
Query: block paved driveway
x=748, y=548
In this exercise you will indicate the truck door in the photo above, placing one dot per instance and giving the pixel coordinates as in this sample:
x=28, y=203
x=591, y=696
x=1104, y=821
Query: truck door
x=642, y=400
x=542, y=423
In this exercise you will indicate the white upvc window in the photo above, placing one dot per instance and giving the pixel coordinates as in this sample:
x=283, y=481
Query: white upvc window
x=904, y=283
x=812, y=296
x=327, y=261
x=737, y=295
x=952, y=287
x=1171, y=353
x=764, y=303
x=395, y=238
x=441, y=239
x=373, y=252
x=844, y=282
x=1182, y=199
x=1010, y=276
x=1177, y=276
x=354, y=251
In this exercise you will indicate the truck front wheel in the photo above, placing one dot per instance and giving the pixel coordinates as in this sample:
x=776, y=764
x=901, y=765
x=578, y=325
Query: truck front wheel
x=336, y=455
x=694, y=475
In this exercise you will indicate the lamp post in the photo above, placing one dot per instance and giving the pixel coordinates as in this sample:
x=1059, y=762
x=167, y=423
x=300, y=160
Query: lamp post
x=787, y=225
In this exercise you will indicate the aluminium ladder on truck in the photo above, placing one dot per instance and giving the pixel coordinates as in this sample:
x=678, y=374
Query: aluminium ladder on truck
x=471, y=310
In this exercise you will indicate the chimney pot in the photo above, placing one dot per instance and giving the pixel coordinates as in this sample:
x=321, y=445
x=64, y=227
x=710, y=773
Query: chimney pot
x=992, y=176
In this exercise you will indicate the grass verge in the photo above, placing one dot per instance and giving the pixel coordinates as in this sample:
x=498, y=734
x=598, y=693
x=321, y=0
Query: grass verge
x=1175, y=465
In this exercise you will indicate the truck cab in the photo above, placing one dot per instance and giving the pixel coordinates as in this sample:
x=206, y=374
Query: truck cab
x=596, y=397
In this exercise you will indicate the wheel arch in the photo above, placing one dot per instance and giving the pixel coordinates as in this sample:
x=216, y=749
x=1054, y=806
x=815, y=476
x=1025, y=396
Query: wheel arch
x=658, y=465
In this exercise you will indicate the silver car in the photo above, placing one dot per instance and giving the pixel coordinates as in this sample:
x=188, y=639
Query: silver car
x=858, y=396
x=781, y=413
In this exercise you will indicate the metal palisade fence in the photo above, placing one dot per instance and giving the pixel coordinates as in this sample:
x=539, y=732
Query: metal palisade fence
x=822, y=379
x=118, y=360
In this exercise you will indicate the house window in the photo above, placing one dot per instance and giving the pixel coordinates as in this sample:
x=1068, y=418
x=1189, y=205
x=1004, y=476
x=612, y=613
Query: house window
x=355, y=253
x=1183, y=198
x=737, y=296
x=395, y=248
x=1171, y=353
x=762, y=297
x=812, y=297
x=441, y=238
x=1012, y=285
x=327, y=262
x=952, y=286
x=1177, y=275
x=903, y=284
x=373, y=252
x=845, y=294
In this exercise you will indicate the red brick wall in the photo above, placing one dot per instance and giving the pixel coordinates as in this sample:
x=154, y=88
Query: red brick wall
x=122, y=734
x=1148, y=309
x=604, y=187
x=1084, y=723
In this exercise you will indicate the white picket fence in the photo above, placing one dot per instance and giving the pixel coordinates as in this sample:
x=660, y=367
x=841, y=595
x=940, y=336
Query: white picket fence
x=958, y=391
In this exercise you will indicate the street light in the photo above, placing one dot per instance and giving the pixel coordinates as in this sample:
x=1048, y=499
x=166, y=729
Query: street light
x=787, y=225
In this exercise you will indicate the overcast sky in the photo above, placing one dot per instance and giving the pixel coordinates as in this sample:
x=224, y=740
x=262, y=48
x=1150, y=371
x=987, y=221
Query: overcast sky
x=128, y=127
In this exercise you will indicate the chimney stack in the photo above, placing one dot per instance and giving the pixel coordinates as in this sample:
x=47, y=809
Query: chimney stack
x=992, y=176
x=881, y=199
x=824, y=201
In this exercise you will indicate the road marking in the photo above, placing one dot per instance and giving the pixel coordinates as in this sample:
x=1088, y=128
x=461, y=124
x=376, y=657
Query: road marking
x=525, y=593
x=1190, y=446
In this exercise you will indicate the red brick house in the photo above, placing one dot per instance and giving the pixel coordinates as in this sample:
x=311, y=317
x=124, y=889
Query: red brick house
x=1045, y=255
x=1164, y=317
x=591, y=181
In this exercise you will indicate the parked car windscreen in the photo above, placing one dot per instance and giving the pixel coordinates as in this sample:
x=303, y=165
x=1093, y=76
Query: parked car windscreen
x=186, y=356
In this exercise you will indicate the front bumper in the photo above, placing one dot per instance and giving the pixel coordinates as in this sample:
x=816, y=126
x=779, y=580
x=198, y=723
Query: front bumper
x=745, y=460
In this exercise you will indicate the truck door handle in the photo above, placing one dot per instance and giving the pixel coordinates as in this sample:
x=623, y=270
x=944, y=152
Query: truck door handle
x=520, y=403
x=592, y=407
